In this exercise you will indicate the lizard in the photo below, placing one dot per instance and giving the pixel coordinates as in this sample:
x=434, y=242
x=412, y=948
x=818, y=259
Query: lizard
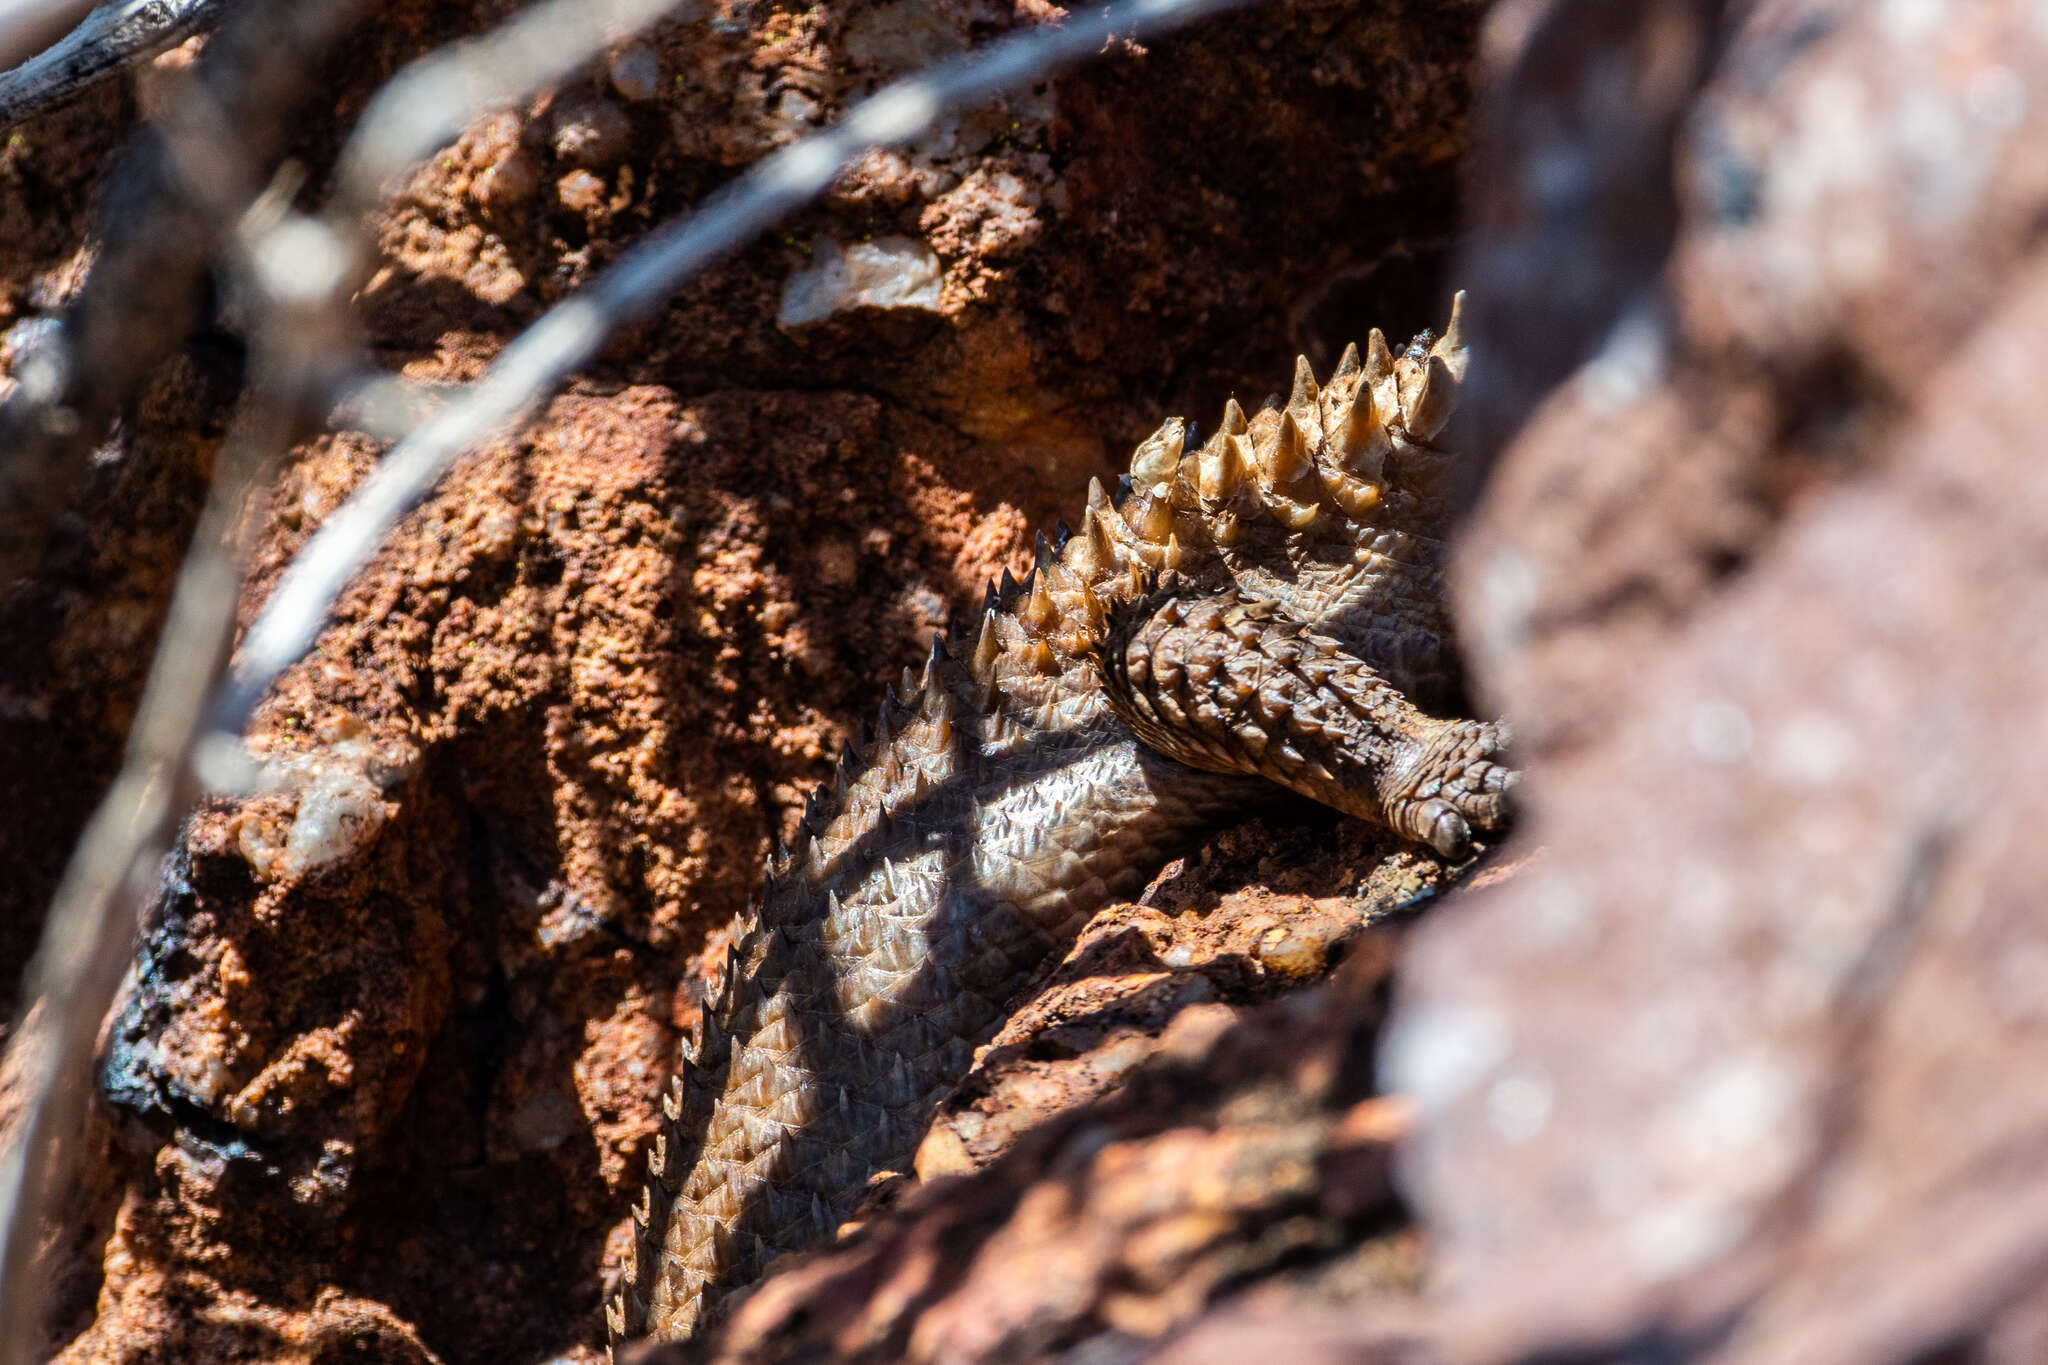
x=1265, y=607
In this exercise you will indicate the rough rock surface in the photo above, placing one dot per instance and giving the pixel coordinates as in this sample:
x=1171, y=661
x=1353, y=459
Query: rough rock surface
x=400, y=1020
x=1734, y=1070
x=1731, y=1074
x=1147, y=1135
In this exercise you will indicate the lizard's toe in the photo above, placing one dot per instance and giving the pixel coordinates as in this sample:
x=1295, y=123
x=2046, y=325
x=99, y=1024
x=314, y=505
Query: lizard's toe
x=1481, y=794
x=1478, y=786
x=1460, y=788
x=1447, y=831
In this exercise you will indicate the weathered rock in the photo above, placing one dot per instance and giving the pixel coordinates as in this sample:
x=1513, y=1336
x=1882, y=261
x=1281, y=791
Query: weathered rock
x=1235, y=1143
x=1152, y=1132
x=1729, y=1074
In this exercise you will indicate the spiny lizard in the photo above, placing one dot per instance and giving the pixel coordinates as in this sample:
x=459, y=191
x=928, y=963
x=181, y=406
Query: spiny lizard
x=1265, y=608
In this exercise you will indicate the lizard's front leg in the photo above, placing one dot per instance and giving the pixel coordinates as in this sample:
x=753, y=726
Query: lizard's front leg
x=1232, y=684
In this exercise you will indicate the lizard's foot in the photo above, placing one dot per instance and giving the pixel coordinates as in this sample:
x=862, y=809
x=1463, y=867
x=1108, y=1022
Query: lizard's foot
x=1455, y=784
x=1232, y=684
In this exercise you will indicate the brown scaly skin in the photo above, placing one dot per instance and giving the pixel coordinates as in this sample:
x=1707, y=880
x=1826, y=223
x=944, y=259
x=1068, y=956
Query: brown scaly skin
x=1232, y=684
x=1265, y=609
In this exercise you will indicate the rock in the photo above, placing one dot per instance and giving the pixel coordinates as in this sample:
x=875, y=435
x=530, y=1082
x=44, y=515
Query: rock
x=887, y=273
x=1109, y=1224
x=581, y=192
x=510, y=181
x=635, y=72
x=591, y=134
x=626, y=642
x=1730, y=1069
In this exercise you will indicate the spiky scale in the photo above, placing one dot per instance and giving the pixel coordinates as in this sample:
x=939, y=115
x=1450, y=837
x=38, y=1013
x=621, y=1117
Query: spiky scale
x=1451, y=345
x=1347, y=365
x=1379, y=361
x=826, y=1043
x=1287, y=460
x=1427, y=405
x=1359, y=441
x=1219, y=466
x=988, y=647
x=1038, y=611
x=1149, y=515
x=1158, y=454
x=1087, y=553
x=1303, y=397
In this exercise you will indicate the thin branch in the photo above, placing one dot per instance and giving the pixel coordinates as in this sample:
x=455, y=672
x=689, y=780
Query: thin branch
x=536, y=363
x=299, y=274
x=201, y=179
x=291, y=269
x=88, y=938
x=159, y=242
x=110, y=39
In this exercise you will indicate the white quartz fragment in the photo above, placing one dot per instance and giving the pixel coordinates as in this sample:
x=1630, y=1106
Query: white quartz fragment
x=341, y=802
x=889, y=272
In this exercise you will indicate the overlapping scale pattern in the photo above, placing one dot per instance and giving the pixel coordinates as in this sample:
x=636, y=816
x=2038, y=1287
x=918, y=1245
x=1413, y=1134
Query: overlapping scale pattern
x=1265, y=606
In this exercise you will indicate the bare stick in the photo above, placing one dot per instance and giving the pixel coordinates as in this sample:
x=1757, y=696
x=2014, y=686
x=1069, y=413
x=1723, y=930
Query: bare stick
x=111, y=38
x=299, y=273
x=159, y=242
x=542, y=358
x=292, y=271
x=88, y=938
x=200, y=177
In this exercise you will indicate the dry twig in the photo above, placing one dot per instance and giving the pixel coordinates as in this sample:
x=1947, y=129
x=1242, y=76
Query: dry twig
x=159, y=241
x=299, y=274
x=110, y=39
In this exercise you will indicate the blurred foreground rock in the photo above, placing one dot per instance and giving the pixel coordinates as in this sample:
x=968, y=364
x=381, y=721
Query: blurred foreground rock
x=1742, y=1069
